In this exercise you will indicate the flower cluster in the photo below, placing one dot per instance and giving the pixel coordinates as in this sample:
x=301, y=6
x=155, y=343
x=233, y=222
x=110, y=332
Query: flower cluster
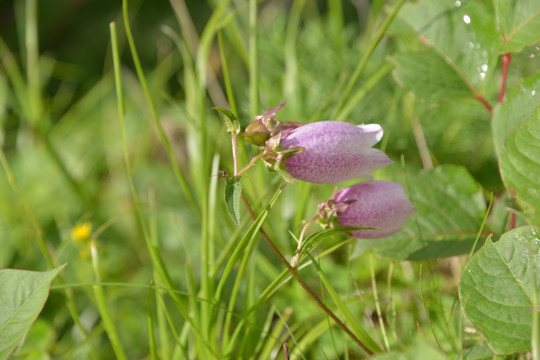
x=327, y=152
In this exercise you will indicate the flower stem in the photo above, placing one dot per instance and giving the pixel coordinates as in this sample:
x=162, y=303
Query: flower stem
x=304, y=286
x=250, y=164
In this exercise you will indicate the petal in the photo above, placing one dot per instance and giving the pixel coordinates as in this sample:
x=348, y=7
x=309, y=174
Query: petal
x=379, y=204
x=334, y=151
x=373, y=130
x=332, y=169
x=334, y=135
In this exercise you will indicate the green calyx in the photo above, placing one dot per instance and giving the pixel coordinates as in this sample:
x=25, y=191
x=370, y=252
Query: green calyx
x=329, y=210
x=274, y=155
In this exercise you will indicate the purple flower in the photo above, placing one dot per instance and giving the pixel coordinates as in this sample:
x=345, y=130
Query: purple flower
x=333, y=151
x=378, y=204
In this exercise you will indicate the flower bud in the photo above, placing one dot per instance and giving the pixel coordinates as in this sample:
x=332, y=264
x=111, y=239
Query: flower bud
x=333, y=151
x=263, y=127
x=379, y=204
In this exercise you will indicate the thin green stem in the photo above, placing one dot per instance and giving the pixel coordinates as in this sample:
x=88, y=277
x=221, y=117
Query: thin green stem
x=150, y=319
x=103, y=308
x=29, y=95
x=73, y=184
x=300, y=241
x=365, y=58
x=160, y=270
x=253, y=59
x=377, y=303
x=226, y=76
x=484, y=221
x=32, y=61
x=249, y=165
x=303, y=284
x=359, y=95
x=39, y=232
x=68, y=294
x=153, y=111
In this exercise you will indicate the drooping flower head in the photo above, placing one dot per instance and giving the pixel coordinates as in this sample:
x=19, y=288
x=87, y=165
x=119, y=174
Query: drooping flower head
x=323, y=152
x=378, y=204
x=334, y=151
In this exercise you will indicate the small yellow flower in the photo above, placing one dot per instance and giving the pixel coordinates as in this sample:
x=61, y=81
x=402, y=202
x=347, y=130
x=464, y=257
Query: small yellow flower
x=82, y=232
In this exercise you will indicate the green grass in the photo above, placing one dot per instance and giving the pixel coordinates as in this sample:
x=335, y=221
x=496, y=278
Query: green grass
x=166, y=273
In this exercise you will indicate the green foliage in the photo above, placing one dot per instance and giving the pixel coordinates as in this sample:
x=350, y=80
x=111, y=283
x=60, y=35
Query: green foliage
x=233, y=192
x=520, y=104
x=22, y=294
x=520, y=167
x=520, y=24
x=419, y=351
x=498, y=289
x=449, y=207
x=126, y=140
x=430, y=77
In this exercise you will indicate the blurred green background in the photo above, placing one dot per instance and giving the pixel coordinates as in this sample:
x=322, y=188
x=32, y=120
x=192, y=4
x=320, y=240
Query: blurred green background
x=62, y=140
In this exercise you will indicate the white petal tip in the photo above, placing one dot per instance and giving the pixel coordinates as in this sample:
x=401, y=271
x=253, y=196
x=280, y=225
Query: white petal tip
x=374, y=129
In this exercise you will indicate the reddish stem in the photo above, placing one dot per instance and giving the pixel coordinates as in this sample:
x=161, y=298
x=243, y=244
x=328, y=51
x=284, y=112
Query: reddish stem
x=300, y=281
x=512, y=221
x=512, y=224
x=486, y=104
x=505, y=63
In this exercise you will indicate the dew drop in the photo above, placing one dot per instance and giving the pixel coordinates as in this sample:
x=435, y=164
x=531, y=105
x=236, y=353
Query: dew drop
x=533, y=92
x=467, y=19
x=458, y=3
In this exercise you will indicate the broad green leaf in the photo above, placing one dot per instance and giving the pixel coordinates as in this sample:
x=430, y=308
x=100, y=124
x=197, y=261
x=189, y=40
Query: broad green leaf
x=22, y=296
x=464, y=32
x=450, y=208
x=519, y=22
x=430, y=77
x=498, y=286
x=518, y=106
x=526, y=34
x=233, y=190
x=520, y=165
x=418, y=351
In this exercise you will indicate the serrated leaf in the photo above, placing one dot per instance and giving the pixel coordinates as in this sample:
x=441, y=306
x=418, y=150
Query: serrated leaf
x=430, y=77
x=450, y=208
x=519, y=105
x=520, y=165
x=526, y=34
x=22, y=296
x=519, y=22
x=497, y=288
x=233, y=192
x=231, y=121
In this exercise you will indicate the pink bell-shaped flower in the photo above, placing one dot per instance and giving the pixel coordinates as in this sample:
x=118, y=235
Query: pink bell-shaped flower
x=333, y=151
x=378, y=204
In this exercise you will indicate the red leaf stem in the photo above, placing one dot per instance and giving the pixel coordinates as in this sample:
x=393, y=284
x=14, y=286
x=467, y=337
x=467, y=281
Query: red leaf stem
x=483, y=100
x=505, y=63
